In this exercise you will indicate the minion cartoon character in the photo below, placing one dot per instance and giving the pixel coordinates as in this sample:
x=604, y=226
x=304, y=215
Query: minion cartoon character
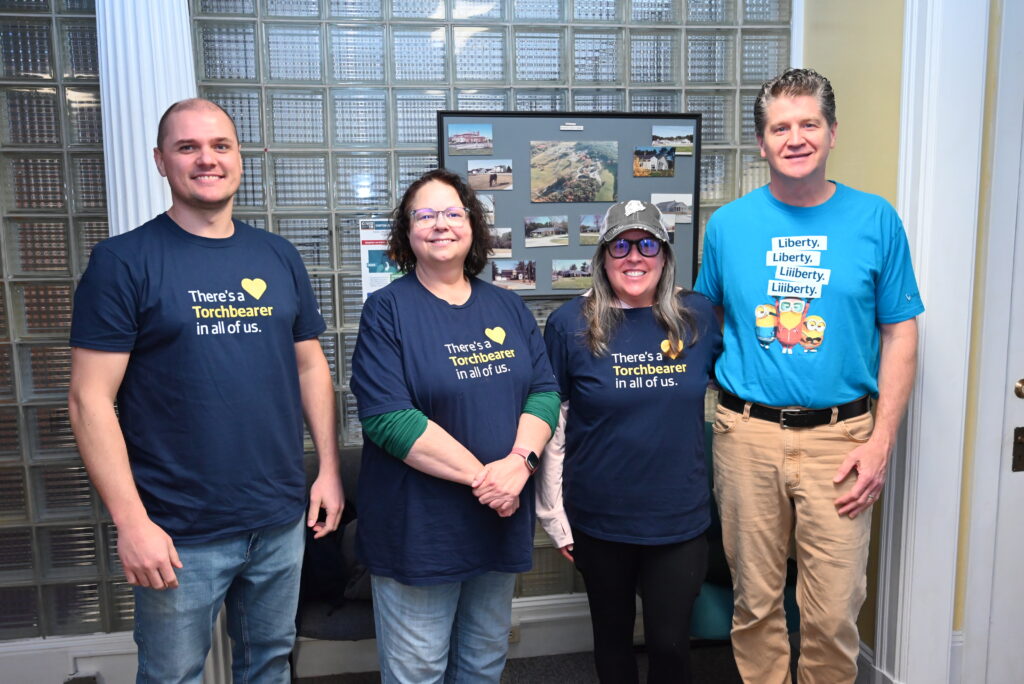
x=792, y=312
x=813, y=331
x=765, y=320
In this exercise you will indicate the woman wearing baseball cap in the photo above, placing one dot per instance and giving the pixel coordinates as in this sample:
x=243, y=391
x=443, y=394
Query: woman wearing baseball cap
x=623, y=491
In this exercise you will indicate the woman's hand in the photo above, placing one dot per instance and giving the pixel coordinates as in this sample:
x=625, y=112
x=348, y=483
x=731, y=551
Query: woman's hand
x=501, y=480
x=566, y=551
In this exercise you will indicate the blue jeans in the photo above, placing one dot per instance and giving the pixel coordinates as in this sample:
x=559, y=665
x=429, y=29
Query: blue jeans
x=456, y=632
x=256, y=576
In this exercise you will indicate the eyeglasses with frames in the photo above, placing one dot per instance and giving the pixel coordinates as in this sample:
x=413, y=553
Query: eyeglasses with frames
x=619, y=248
x=427, y=218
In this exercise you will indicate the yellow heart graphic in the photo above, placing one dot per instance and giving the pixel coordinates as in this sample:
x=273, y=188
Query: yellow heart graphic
x=671, y=353
x=254, y=286
x=496, y=334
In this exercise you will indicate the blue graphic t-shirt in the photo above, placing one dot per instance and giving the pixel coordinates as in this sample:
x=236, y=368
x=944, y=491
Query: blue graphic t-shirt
x=469, y=368
x=634, y=435
x=209, y=404
x=804, y=291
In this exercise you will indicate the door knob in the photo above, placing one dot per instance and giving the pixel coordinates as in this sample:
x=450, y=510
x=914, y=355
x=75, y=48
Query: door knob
x=1019, y=388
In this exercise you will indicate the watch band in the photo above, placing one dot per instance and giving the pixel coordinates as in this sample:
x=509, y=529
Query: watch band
x=529, y=457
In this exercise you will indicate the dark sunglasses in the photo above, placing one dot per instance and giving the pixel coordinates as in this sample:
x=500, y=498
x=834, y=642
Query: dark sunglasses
x=619, y=248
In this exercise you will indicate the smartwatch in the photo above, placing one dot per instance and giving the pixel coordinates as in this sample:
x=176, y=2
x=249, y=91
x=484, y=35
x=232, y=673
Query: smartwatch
x=531, y=459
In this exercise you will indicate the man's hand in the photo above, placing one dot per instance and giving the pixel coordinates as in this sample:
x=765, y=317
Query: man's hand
x=148, y=555
x=501, y=479
x=870, y=460
x=327, y=494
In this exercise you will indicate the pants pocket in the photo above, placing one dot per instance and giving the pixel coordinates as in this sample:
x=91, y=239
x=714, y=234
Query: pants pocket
x=858, y=429
x=725, y=420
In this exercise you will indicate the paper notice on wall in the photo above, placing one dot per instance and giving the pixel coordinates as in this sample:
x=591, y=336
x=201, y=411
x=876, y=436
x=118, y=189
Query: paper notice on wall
x=376, y=269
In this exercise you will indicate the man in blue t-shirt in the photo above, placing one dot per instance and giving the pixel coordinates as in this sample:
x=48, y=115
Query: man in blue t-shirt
x=819, y=301
x=204, y=331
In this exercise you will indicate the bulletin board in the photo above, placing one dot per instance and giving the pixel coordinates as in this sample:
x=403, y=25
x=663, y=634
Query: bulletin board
x=547, y=178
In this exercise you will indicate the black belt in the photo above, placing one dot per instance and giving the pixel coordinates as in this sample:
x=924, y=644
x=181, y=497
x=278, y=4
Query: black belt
x=795, y=417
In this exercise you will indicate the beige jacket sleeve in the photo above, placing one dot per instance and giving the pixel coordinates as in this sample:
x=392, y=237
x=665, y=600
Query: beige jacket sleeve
x=550, y=511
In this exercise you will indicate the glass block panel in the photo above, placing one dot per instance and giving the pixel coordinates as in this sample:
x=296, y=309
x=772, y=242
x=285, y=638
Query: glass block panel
x=763, y=56
x=293, y=8
x=89, y=184
x=45, y=372
x=296, y=117
x=257, y=222
x=228, y=51
x=13, y=497
x=357, y=53
x=85, y=121
x=7, y=387
x=710, y=57
x=417, y=9
x=595, y=56
x=537, y=10
x=73, y=608
x=15, y=555
x=716, y=175
x=710, y=11
x=479, y=54
x=598, y=100
x=42, y=308
x=346, y=228
x=25, y=48
x=33, y=182
x=362, y=181
x=10, y=442
x=477, y=9
x=753, y=171
x=355, y=9
x=78, y=5
x=49, y=428
x=654, y=101
x=29, y=116
x=416, y=116
x=653, y=57
x=61, y=491
x=68, y=551
x=419, y=53
x=352, y=429
x=300, y=181
x=311, y=235
x=108, y=531
x=329, y=343
x=25, y=5
x=662, y=11
x=411, y=167
x=81, y=52
x=538, y=55
x=323, y=290
x=243, y=104
x=37, y=246
x=554, y=100
x=87, y=233
x=227, y=6
x=351, y=300
x=595, y=10
x=766, y=11
x=293, y=52
x=348, y=348
x=251, y=192
x=361, y=117
x=20, y=616
x=550, y=575
x=121, y=610
x=481, y=100
x=717, y=108
x=748, y=132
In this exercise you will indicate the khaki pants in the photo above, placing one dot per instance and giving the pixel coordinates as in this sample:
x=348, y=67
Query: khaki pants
x=774, y=489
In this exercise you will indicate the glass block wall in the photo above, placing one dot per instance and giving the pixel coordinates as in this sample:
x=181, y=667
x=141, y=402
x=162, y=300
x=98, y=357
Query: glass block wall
x=335, y=104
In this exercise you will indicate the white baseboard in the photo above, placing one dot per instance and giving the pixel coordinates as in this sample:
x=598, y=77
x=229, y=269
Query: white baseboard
x=956, y=657
x=54, y=659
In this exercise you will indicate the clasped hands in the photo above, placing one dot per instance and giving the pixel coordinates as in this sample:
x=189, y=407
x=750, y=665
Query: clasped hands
x=499, y=483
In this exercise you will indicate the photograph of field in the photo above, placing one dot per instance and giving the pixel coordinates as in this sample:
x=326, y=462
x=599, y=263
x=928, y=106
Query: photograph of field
x=590, y=228
x=489, y=174
x=470, y=138
x=501, y=241
x=573, y=171
x=570, y=274
x=546, y=231
x=513, y=274
x=679, y=137
x=654, y=162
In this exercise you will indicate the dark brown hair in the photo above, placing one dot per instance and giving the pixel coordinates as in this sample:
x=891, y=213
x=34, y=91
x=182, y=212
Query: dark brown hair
x=399, y=247
x=793, y=83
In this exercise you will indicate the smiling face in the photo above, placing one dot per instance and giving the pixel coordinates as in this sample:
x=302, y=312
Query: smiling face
x=797, y=139
x=441, y=244
x=634, y=278
x=200, y=159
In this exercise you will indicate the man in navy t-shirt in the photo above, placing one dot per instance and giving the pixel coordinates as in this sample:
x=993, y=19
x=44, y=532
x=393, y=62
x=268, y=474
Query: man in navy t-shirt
x=204, y=330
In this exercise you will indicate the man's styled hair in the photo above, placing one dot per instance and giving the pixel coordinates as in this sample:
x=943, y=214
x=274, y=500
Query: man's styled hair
x=191, y=104
x=793, y=83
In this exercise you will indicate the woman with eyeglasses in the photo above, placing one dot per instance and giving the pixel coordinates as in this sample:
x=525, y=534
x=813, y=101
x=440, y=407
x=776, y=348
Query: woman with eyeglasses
x=623, y=491
x=456, y=398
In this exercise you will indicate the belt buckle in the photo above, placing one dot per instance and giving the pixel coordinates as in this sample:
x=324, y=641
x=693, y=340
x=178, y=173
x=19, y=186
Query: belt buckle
x=782, y=417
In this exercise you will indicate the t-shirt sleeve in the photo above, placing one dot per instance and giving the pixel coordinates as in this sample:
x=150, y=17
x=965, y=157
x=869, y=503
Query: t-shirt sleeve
x=105, y=314
x=897, y=297
x=709, y=281
x=378, y=382
x=309, y=322
x=558, y=353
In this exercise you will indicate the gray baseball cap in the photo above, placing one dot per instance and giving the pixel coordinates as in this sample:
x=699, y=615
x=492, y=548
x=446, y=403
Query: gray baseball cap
x=633, y=214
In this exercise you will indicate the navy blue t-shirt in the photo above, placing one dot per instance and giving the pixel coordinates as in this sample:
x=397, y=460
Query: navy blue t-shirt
x=634, y=435
x=210, y=405
x=469, y=368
